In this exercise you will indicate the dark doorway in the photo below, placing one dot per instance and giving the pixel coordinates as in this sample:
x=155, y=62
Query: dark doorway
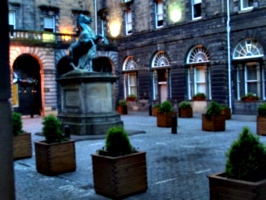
x=102, y=64
x=27, y=86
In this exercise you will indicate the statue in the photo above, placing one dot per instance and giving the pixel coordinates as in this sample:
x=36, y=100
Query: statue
x=84, y=50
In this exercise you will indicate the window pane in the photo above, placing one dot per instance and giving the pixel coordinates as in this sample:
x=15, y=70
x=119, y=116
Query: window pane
x=247, y=3
x=252, y=87
x=197, y=10
x=201, y=88
x=48, y=22
x=251, y=73
x=200, y=75
x=196, y=1
x=132, y=80
x=11, y=18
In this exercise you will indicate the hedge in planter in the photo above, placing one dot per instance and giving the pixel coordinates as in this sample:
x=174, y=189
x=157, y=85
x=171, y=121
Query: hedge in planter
x=226, y=111
x=55, y=155
x=199, y=97
x=22, y=147
x=244, y=176
x=122, y=107
x=118, y=169
x=185, y=109
x=261, y=120
x=165, y=114
x=213, y=120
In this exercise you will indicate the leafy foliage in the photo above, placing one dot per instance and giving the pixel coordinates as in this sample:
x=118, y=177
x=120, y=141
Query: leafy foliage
x=262, y=110
x=16, y=123
x=249, y=95
x=200, y=95
x=122, y=102
x=185, y=104
x=166, y=107
x=214, y=109
x=157, y=105
x=117, y=142
x=51, y=129
x=246, y=158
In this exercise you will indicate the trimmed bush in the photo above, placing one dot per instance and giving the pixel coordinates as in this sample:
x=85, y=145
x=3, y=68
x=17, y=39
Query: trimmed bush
x=214, y=109
x=166, y=107
x=16, y=123
x=185, y=104
x=262, y=110
x=51, y=129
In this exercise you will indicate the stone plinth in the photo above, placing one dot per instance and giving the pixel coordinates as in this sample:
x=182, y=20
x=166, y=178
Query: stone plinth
x=87, y=102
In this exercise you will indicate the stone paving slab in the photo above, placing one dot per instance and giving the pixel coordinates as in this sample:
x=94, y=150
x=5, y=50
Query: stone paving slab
x=178, y=164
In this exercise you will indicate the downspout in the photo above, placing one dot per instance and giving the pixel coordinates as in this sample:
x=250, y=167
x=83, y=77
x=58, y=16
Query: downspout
x=229, y=55
x=95, y=17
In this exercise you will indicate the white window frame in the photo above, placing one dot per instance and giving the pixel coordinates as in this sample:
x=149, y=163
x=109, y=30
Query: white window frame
x=13, y=21
x=103, y=27
x=155, y=85
x=130, y=69
x=245, y=7
x=158, y=13
x=47, y=26
x=193, y=4
x=257, y=81
x=132, y=87
x=199, y=82
x=128, y=21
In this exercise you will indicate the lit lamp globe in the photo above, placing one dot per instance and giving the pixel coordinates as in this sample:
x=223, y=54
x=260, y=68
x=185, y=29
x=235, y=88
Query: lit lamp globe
x=175, y=15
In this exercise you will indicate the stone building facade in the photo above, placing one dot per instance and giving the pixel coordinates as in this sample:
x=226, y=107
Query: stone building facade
x=159, y=50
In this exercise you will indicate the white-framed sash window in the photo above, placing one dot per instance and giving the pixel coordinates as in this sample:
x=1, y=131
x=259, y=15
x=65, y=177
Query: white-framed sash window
x=196, y=9
x=246, y=4
x=159, y=14
x=128, y=20
x=49, y=24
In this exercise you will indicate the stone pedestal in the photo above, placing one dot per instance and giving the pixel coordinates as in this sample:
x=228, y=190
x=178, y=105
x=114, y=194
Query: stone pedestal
x=87, y=102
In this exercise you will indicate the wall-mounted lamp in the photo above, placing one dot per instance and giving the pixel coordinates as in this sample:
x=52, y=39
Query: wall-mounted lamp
x=114, y=28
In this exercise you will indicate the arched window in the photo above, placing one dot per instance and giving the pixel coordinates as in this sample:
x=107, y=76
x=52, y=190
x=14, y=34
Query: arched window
x=130, y=76
x=160, y=60
x=248, y=48
x=199, y=79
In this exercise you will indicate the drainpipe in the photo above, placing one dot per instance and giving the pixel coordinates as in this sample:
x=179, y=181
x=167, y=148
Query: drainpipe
x=95, y=17
x=229, y=55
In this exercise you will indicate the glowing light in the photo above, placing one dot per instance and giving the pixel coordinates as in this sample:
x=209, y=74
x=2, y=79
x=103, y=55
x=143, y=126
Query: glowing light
x=48, y=37
x=175, y=14
x=115, y=27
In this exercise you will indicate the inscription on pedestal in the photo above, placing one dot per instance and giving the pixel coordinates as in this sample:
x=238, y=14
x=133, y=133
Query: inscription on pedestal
x=71, y=98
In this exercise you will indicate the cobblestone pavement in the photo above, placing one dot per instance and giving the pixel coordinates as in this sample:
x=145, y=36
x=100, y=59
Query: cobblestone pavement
x=177, y=164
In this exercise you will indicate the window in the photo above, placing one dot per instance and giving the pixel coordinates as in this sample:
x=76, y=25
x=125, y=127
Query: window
x=103, y=27
x=199, y=79
x=159, y=13
x=48, y=24
x=128, y=20
x=12, y=20
x=196, y=9
x=246, y=4
x=130, y=76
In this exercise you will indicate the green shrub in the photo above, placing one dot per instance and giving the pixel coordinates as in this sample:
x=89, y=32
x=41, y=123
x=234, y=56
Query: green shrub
x=117, y=142
x=214, y=109
x=224, y=106
x=16, y=123
x=246, y=158
x=185, y=104
x=248, y=96
x=262, y=110
x=166, y=107
x=200, y=94
x=157, y=105
x=122, y=102
x=51, y=129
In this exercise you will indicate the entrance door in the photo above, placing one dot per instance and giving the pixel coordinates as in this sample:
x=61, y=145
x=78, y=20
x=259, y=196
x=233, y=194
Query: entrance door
x=163, y=91
x=27, y=78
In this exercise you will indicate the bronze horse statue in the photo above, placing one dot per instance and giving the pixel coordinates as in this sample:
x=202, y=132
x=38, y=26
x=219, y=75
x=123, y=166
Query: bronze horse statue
x=83, y=51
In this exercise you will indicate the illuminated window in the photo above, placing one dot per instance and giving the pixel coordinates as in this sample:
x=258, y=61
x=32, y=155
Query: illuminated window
x=159, y=13
x=196, y=9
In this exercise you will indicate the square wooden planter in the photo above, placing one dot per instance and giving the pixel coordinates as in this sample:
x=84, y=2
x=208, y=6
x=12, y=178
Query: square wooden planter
x=154, y=111
x=185, y=112
x=119, y=177
x=122, y=110
x=56, y=158
x=22, y=147
x=226, y=112
x=261, y=125
x=213, y=123
x=224, y=188
x=165, y=119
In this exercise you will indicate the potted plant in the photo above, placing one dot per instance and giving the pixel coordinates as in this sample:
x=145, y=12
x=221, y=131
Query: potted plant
x=131, y=97
x=261, y=119
x=213, y=120
x=185, y=109
x=122, y=107
x=22, y=147
x=55, y=155
x=226, y=111
x=119, y=170
x=165, y=115
x=245, y=175
x=155, y=109
x=199, y=96
x=249, y=97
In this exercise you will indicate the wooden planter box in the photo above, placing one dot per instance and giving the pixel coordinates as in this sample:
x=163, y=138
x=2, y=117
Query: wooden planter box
x=122, y=110
x=22, y=147
x=214, y=123
x=226, y=112
x=154, y=111
x=165, y=119
x=185, y=112
x=224, y=188
x=261, y=125
x=56, y=158
x=122, y=176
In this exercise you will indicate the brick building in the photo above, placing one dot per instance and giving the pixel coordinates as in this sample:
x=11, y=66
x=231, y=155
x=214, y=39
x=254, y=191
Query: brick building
x=159, y=49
